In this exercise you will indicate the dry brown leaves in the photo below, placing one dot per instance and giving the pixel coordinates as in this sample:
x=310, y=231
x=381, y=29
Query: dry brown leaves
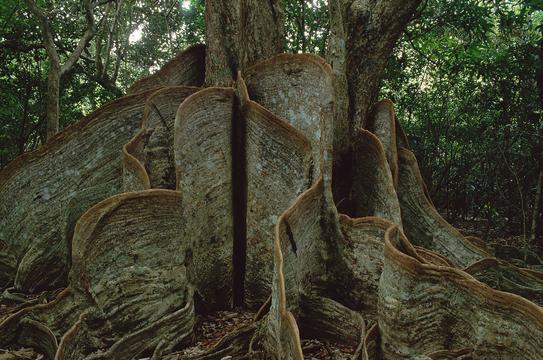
x=22, y=353
x=314, y=349
x=210, y=329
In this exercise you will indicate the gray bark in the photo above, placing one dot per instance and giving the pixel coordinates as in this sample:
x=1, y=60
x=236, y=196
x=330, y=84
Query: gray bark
x=186, y=68
x=363, y=34
x=148, y=160
x=240, y=33
x=426, y=310
x=76, y=165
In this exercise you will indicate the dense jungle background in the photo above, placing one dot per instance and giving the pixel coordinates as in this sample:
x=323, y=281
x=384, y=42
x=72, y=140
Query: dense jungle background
x=466, y=78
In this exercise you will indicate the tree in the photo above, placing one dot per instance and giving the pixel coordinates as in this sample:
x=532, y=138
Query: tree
x=238, y=34
x=253, y=221
x=56, y=69
x=362, y=37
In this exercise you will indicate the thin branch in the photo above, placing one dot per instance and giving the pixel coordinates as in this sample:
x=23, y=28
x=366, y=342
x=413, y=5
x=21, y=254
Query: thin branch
x=519, y=189
x=414, y=47
x=112, y=32
x=84, y=41
x=100, y=65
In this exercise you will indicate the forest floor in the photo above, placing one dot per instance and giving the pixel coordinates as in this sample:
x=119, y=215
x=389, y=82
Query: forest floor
x=210, y=329
x=20, y=353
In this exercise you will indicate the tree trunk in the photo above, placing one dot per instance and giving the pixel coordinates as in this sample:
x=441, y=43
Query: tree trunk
x=56, y=70
x=24, y=133
x=53, y=101
x=363, y=34
x=240, y=33
x=537, y=217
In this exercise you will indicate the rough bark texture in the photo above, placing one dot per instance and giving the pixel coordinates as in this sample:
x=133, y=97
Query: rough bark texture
x=240, y=33
x=425, y=308
x=187, y=68
x=362, y=36
x=81, y=159
x=53, y=103
x=148, y=160
x=123, y=297
x=203, y=156
x=221, y=132
x=55, y=184
x=372, y=192
x=299, y=89
x=423, y=223
x=426, y=228
x=383, y=124
x=326, y=269
x=273, y=182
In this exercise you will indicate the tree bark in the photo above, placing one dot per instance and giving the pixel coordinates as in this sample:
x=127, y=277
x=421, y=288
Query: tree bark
x=363, y=34
x=23, y=134
x=253, y=213
x=239, y=33
x=537, y=221
x=53, y=103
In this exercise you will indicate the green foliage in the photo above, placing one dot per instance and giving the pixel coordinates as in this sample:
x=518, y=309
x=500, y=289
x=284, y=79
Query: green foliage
x=464, y=80
x=307, y=26
x=21, y=86
x=144, y=35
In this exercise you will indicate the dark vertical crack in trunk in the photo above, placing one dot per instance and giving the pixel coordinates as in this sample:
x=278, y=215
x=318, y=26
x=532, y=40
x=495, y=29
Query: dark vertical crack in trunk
x=239, y=203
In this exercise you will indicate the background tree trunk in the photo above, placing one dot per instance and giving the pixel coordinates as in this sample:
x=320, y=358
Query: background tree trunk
x=536, y=234
x=535, y=231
